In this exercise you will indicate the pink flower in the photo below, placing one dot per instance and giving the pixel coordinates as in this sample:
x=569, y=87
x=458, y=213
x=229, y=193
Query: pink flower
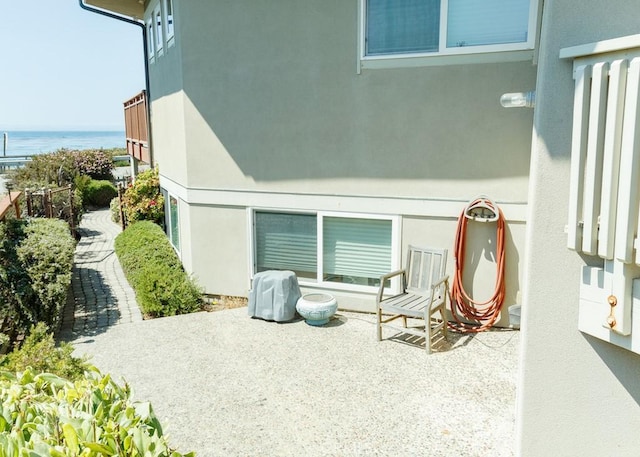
x=152, y=203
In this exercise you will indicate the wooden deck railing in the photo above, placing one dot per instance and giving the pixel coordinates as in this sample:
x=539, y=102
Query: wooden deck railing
x=10, y=201
x=136, y=128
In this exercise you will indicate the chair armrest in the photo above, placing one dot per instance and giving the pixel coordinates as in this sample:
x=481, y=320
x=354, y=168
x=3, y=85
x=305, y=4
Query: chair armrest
x=440, y=282
x=444, y=279
x=384, y=279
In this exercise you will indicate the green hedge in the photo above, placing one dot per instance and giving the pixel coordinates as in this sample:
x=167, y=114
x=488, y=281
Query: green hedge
x=154, y=271
x=99, y=193
x=36, y=261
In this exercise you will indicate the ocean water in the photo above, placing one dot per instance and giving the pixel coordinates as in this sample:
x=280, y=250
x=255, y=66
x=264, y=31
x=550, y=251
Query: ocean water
x=20, y=143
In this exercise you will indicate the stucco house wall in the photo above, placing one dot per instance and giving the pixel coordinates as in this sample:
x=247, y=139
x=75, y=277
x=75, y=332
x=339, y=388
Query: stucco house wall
x=268, y=109
x=577, y=394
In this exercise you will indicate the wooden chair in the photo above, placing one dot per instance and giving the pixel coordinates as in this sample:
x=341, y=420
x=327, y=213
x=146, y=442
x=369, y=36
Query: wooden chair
x=424, y=296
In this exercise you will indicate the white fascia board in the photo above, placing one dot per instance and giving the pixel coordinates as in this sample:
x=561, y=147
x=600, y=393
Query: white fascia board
x=390, y=205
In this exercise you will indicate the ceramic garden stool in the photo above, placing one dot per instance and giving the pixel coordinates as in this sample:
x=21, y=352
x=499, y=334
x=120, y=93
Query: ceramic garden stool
x=317, y=308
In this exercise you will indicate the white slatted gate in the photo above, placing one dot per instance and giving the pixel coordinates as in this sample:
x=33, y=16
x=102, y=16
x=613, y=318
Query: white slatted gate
x=604, y=205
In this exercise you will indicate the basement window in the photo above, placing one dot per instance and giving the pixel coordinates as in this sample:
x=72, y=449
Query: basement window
x=349, y=251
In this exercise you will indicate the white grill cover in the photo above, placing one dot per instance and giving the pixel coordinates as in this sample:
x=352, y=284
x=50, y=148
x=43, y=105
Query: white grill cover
x=274, y=295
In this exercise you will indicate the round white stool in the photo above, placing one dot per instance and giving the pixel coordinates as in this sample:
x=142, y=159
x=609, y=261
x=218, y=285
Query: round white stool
x=317, y=308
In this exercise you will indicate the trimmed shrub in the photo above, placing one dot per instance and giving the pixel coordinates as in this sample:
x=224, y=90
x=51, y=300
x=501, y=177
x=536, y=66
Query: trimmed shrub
x=154, y=271
x=143, y=200
x=36, y=260
x=15, y=287
x=39, y=352
x=99, y=193
x=46, y=254
x=44, y=414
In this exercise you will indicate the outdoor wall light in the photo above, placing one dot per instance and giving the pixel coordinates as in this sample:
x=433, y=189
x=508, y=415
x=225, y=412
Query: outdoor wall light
x=518, y=100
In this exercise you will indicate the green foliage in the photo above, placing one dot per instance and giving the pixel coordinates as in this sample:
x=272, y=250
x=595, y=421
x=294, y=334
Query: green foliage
x=47, y=256
x=154, y=271
x=114, y=207
x=47, y=415
x=39, y=352
x=60, y=168
x=36, y=260
x=143, y=200
x=99, y=193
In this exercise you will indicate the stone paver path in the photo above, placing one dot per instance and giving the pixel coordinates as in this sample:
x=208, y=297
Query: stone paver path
x=101, y=296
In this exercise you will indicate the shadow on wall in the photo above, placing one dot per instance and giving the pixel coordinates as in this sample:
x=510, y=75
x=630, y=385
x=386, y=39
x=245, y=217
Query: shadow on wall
x=626, y=372
x=282, y=95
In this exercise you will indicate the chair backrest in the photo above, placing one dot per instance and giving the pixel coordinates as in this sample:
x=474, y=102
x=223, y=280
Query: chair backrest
x=424, y=267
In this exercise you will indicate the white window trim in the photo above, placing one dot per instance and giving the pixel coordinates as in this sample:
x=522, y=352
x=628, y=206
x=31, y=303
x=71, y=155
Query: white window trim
x=319, y=283
x=169, y=33
x=167, y=220
x=460, y=55
x=151, y=40
x=158, y=29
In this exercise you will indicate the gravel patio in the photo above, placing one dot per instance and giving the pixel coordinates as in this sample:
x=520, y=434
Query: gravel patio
x=224, y=384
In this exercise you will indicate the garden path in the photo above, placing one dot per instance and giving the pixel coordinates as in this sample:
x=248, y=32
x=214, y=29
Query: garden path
x=100, y=297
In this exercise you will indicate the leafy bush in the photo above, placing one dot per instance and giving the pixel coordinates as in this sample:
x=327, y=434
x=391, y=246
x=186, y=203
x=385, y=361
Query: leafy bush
x=44, y=414
x=35, y=270
x=143, y=200
x=94, y=163
x=61, y=167
x=39, y=352
x=154, y=271
x=99, y=193
x=114, y=207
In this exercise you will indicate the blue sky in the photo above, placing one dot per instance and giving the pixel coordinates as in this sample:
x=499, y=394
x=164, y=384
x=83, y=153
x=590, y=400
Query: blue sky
x=62, y=67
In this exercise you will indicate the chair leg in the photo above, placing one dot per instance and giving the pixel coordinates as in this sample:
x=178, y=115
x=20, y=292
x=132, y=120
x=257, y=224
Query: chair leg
x=427, y=333
x=379, y=322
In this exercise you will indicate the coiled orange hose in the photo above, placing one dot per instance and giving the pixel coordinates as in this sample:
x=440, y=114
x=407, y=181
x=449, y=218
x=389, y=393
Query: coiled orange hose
x=483, y=314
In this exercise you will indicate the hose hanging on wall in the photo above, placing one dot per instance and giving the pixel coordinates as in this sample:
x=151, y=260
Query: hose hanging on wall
x=463, y=306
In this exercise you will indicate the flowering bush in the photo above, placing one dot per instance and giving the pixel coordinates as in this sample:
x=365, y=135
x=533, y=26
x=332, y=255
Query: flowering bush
x=143, y=200
x=95, y=163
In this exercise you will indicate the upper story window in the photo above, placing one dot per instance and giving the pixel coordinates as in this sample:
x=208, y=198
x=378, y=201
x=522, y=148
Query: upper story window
x=157, y=17
x=168, y=20
x=150, y=40
x=410, y=28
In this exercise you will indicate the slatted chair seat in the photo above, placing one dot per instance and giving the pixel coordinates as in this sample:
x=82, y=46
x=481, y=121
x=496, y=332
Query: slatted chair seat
x=424, y=292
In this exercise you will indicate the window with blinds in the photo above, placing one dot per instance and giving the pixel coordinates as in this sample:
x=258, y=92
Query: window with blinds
x=286, y=242
x=324, y=247
x=356, y=251
x=393, y=27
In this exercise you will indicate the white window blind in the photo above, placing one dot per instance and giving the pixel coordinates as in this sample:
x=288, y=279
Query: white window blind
x=474, y=23
x=286, y=242
x=356, y=248
x=402, y=26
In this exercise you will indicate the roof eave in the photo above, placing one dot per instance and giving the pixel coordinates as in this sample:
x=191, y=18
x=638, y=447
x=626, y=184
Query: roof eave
x=131, y=8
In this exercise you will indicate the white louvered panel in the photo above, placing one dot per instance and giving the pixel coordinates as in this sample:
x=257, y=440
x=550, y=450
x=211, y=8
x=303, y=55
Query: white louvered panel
x=627, y=211
x=611, y=159
x=578, y=153
x=593, y=161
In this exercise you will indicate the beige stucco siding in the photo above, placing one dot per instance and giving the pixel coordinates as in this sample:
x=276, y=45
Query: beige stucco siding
x=269, y=110
x=276, y=103
x=578, y=395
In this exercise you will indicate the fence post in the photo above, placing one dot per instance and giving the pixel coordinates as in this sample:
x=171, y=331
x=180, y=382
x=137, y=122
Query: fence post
x=123, y=221
x=49, y=209
x=72, y=213
x=29, y=198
